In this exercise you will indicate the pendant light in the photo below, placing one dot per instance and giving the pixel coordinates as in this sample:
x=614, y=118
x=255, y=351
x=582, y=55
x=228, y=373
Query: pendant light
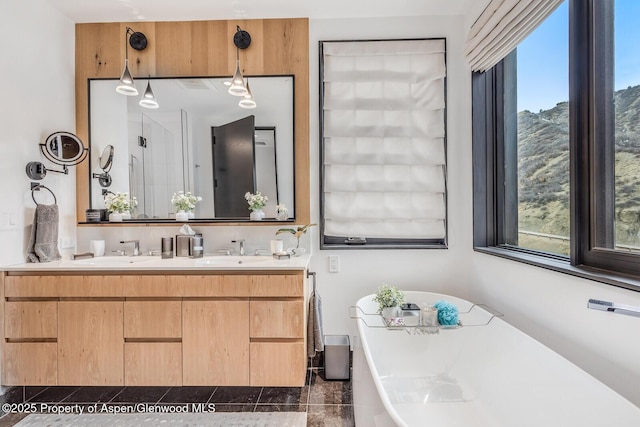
x=241, y=40
x=137, y=41
x=148, y=100
x=247, y=100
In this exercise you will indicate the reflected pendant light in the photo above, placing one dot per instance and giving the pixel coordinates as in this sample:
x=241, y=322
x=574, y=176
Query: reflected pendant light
x=247, y=100
x=148, y=100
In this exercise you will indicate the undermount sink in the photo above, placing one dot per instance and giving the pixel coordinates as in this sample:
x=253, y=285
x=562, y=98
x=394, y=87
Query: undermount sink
x=111, y=261
x=232, y=260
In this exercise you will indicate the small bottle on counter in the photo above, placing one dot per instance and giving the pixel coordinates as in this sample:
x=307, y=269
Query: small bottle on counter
x=196, y=248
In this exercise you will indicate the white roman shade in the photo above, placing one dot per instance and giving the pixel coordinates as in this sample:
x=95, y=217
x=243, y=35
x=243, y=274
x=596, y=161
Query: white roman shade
x=501, y=27
x=383, y=139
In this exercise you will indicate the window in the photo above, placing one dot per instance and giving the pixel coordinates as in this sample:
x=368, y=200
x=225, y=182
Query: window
x=383, y=149
x=542, y=136
x=562, y=181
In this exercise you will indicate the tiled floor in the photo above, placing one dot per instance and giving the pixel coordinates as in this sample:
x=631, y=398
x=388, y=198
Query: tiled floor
x=327, y=403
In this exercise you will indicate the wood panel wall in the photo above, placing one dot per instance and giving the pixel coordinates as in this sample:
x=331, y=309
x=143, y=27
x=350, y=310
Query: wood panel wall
x=198, y=48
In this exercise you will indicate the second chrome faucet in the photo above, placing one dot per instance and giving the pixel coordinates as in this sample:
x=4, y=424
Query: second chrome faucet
x=241, y=249
x=136, y=246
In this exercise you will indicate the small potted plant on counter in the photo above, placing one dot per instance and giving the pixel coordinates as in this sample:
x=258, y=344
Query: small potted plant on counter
x=297, y=233
x=389, y=299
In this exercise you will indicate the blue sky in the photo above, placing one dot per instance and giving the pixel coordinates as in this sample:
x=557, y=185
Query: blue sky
x=543, y=58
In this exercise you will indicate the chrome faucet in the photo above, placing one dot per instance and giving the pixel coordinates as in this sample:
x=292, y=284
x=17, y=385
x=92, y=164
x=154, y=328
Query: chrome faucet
x=136, y=246
x=241, y=242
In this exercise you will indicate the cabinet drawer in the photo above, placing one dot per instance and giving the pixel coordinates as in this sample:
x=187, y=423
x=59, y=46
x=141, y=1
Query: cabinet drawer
x=153, y=364
x=31, y=319
x=276, y=319
x=63, y=286
x=214, y=285
x=30, y=363
x=152, y=319
x=278, y=364
x=277, y=286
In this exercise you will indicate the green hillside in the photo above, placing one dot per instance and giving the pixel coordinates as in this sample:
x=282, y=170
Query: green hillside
x=543, y=174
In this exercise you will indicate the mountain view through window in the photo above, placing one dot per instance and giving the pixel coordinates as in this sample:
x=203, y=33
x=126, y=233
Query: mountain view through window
x=543, y=132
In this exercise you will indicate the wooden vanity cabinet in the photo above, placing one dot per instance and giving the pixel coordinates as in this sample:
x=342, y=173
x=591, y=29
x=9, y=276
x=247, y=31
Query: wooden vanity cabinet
x=154, y=329
x=90, y=343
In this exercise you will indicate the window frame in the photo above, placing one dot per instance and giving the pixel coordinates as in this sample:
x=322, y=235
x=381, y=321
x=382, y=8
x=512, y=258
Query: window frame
x=592, y=157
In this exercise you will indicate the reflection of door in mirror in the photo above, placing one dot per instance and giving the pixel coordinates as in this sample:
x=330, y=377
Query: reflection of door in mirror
x=233, y=167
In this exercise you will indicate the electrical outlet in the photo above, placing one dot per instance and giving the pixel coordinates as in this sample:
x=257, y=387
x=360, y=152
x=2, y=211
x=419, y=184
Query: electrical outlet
x=334, y=263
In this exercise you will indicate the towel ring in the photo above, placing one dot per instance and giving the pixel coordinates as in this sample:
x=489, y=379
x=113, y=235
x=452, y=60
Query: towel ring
x=37, y=187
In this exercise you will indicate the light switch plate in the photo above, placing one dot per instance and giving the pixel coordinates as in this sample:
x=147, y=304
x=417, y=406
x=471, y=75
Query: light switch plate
x=334, y=263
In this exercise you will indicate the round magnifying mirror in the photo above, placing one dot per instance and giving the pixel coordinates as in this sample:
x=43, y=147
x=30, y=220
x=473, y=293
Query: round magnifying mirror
x=106, y=158
x=64, y=148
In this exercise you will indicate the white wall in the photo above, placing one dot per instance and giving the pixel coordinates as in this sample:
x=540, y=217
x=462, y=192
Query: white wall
x=362, y=271
x=37, y=87
x=552, y=307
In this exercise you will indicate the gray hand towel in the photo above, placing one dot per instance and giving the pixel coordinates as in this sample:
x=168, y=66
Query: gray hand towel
x=315, y=340
x=43, y=242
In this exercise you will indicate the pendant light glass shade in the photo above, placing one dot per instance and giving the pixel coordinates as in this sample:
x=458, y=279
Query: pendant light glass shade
x=126, y=86
x=237, y=87
x=247, y=100
x=148, y=100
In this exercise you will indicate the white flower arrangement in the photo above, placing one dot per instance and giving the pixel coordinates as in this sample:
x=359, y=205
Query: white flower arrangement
x=185, y=201
x=256, y=201
x=119, y=202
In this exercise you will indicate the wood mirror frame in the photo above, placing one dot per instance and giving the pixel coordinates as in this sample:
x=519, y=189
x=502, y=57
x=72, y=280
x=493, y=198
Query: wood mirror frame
x=198, y=48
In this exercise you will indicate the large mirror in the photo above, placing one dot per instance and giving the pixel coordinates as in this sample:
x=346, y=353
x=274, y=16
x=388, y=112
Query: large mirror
x=186, y=145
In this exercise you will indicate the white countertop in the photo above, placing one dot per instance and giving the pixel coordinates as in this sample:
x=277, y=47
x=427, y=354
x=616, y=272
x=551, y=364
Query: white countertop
x=155, y=263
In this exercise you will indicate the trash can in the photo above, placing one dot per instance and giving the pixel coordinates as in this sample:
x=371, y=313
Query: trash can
x=336, y=357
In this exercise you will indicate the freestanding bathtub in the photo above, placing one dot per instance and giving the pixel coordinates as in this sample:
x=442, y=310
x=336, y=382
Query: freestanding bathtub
x=483, y=373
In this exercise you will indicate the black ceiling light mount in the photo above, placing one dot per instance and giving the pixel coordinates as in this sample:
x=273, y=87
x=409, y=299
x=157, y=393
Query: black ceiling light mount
x=241, y=39
x=137, y=40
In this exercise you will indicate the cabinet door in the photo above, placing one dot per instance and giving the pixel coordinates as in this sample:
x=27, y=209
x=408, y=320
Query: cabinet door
x=152, y=319
x=152, y=364
x=31, y=319
x=215, y=342
x=278, y=364
x=277, y=319
x=29, y=363
x=90, y=343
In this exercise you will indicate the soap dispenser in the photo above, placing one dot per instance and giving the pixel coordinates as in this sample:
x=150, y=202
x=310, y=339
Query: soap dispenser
x=196, y=246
